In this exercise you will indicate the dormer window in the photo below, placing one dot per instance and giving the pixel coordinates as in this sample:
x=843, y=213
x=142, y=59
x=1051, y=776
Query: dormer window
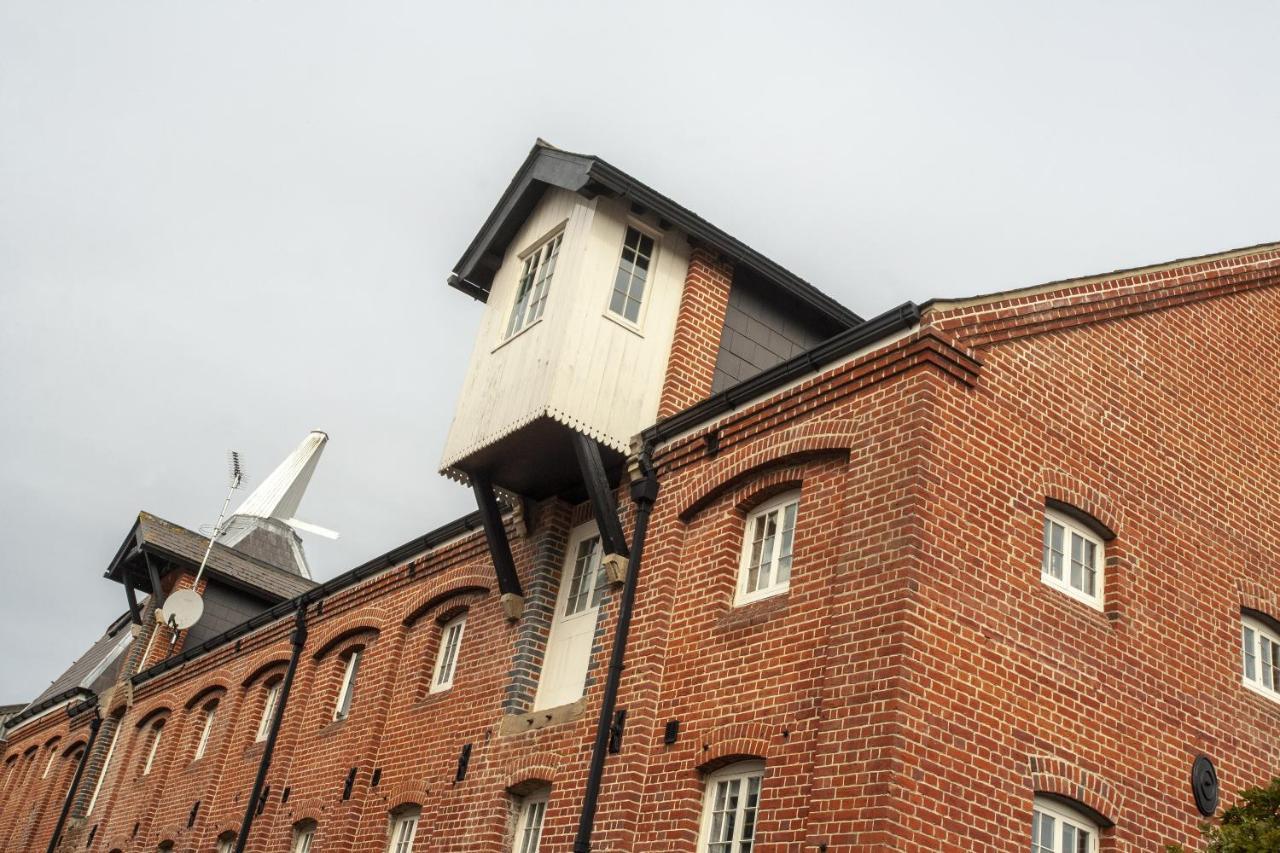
x=535, y=281
x=632, y=276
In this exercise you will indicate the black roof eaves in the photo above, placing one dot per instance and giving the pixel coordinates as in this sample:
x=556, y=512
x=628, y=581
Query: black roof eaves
x=38, y=709
x=123, y=553
x=395, y=556
x=810, y=361
x=549, y=165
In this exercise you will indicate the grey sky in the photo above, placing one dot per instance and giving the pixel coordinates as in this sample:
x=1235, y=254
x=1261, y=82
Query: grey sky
x=223, y=224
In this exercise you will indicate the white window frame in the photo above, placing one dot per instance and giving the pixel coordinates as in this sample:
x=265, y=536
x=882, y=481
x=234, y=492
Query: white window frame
x=304, y=835
x=268, y=711
x=1260, y=644
x=742, y=775
x=1045, y=808
x=447, y=656
x=644, y=231
x=403, y=829
x=533, y=268
x=347, y=690
x=102, y=775
x=210, y=712
x=157, y=731
x=227, y=845
x=1073, y=530
x=531, y=818
x=777, y=546
x=53, y=753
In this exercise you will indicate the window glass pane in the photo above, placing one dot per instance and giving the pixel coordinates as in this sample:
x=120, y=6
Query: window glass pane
x=1077, y=561
x=1090, y=567
x=1042, y=832
x=631, y=276
x=1056, y=553
x=535, y=282
x=753, y=559
x=1250, y=655
x=783, y=574
x=585, y=584
x=531, y=827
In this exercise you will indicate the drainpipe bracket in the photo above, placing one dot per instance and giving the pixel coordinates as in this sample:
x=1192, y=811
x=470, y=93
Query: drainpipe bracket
x=512, y=605
x=615, y=568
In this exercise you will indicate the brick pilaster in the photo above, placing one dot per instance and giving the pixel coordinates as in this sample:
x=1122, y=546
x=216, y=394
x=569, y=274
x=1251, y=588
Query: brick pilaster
x=697, y=339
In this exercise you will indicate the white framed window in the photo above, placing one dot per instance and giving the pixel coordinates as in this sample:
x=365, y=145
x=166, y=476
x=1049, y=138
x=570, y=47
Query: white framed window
x=1056, y=828
x=347, y=691
x=447, y=656
x=226, y=842
x=268, y=711
x=529, y=819
x=632, y=276
x=206, y=727
x=1073, y=558
x=102, y=775
x=535, y=283
x=303, y=835
x=157, y=730
x=1260, y=649
x=404, y=827
x=765, y=567
x=568, y=652
x=729, y=808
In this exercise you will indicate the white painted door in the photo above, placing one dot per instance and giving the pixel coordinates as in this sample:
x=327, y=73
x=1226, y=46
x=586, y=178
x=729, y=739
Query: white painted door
x=564, y=667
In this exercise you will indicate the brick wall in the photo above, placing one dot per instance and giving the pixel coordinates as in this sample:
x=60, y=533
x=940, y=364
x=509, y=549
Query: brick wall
x=916, y=686
x=699, y=323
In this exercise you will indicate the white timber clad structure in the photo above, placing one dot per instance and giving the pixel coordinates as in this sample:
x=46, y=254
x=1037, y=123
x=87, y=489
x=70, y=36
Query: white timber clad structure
x=578, y=363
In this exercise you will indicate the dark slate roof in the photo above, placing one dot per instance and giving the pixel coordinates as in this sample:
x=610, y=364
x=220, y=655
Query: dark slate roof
x=154, y=535
x=587, y=174
x=94, y=670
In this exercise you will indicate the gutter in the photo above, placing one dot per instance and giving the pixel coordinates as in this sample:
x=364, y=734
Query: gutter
x=36, y=710
x=298, y=639
x=643, y=494
x=94, y=725
x=810, y=361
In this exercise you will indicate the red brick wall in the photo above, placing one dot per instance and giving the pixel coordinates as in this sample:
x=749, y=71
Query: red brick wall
x=699, y=323
x=916, y=686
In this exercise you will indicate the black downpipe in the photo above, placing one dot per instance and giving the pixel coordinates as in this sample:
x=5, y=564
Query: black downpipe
x=643, y=494
x=94, y=725
x=298, y=639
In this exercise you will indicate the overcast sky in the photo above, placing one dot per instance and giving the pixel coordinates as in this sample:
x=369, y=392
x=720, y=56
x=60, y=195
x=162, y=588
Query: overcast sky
x=224, y=224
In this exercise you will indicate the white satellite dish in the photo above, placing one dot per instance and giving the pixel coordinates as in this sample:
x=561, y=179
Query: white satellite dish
x=182, y=609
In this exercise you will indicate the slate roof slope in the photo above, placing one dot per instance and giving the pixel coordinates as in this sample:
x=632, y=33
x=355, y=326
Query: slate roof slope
x=158, y=536
x=95, y=669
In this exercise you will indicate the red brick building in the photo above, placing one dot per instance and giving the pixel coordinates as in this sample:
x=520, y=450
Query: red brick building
x=977, y=574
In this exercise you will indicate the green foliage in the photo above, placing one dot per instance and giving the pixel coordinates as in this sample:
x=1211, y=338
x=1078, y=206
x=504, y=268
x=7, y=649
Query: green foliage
x=1250, y=826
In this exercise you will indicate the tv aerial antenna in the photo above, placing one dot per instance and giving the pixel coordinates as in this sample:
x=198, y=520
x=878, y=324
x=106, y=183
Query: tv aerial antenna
x=185, y=607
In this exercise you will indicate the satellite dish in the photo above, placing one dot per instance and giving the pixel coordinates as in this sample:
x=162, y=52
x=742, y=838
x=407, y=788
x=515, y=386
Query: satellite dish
x=182, y=609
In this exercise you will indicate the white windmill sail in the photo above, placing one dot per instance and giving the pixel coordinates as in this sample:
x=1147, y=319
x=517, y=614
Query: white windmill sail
x=264, y=526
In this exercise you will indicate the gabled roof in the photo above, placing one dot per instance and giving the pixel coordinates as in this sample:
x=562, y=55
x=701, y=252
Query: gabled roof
x=153, y=535
x=589, y=175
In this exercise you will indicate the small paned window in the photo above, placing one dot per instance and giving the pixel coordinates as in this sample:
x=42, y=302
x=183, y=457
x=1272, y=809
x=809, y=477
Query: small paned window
x=729, y=808
x=206, y=727
x=226, y=842
x=765, y=567
x=347, y=691
x=404, y=826
x=587, y=582
x=1058, y=829
x=447, y=657
x=303, y=835
x=632, y=276
x=1260, y=646
x=157, y=730
x=533, y=809
x=1073, y=558
x=268, y=711
x=535, y=282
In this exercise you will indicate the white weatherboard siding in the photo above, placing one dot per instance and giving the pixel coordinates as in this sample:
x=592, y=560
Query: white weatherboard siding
x=576, y=365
